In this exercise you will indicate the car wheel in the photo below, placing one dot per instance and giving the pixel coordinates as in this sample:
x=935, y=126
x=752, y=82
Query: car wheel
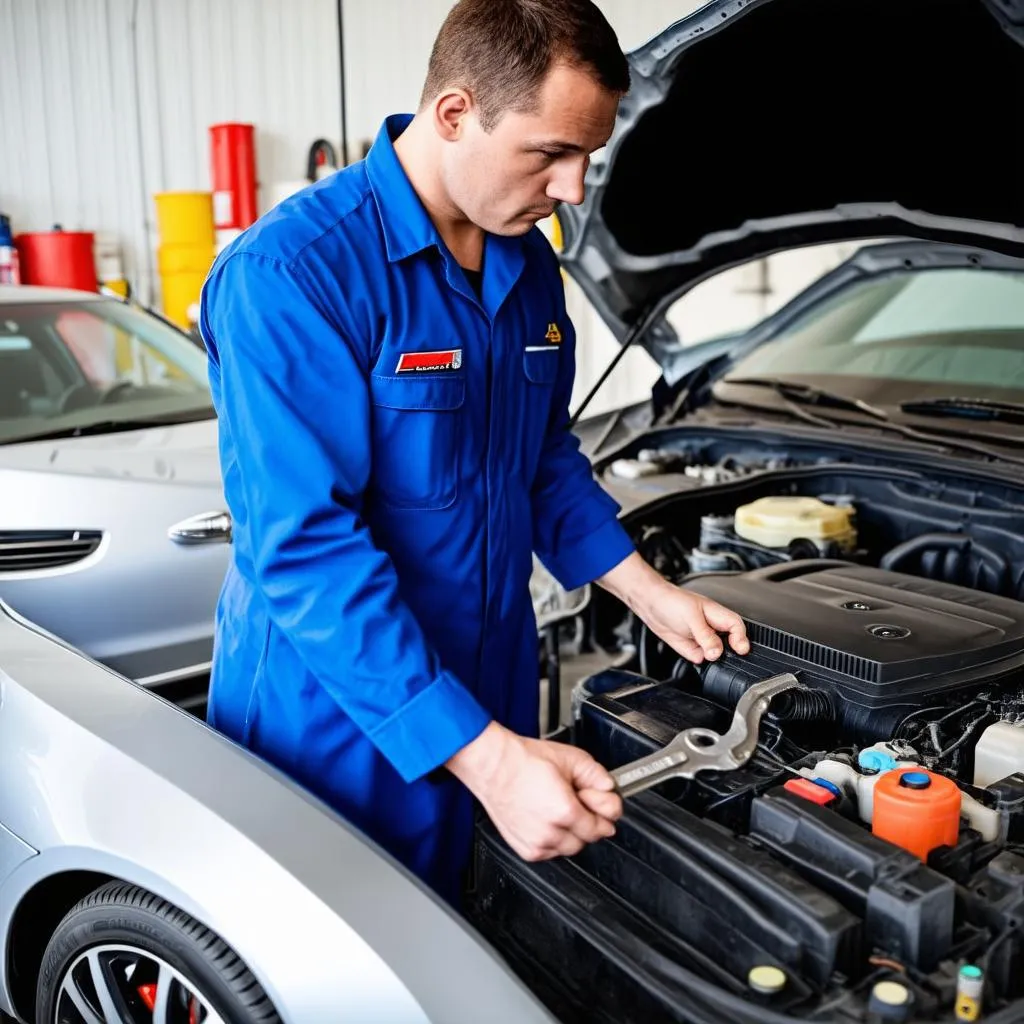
x=125, y=956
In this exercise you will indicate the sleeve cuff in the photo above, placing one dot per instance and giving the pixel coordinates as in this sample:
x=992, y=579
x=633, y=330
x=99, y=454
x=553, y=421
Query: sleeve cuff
x=592, y=556
x=423, y=734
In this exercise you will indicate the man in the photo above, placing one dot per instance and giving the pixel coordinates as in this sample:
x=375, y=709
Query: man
x=392, y=364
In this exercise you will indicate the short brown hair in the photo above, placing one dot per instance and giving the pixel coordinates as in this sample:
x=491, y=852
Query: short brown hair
x=500, y=51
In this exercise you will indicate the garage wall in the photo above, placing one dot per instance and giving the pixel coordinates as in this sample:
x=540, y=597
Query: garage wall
x=105, y=102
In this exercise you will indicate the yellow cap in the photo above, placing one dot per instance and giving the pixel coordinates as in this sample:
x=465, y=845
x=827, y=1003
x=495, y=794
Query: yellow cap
x=891, y=993
x=766, y=979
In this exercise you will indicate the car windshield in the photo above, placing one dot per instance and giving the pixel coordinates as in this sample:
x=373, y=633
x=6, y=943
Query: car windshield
x=940, y=332
x=94, y=365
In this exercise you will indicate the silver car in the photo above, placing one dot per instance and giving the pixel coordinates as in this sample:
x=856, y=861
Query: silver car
x=152, y=872
x=112, y=524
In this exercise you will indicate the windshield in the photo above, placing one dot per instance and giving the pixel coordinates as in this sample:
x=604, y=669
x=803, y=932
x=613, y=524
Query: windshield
x=947, y=332
x=71, y=365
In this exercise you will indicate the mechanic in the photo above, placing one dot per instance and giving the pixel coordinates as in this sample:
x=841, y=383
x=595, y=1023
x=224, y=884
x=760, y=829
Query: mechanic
x=392, y=363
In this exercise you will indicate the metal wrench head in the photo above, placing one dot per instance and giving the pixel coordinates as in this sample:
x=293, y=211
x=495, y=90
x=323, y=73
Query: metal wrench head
x=695, y=750
x=746, y=720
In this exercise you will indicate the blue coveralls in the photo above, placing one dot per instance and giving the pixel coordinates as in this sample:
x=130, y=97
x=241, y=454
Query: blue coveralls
x=392, y=450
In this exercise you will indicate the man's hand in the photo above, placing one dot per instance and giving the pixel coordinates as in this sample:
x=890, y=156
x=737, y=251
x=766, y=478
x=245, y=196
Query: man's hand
x=687, y=622
x=546, y=799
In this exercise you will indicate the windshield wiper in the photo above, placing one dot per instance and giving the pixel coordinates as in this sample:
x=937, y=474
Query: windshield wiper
x=968, y=408
x=792, y=392
x=809, y=393
x=111, y=426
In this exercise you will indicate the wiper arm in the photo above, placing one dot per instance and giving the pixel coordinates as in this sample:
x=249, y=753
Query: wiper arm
x=809, y=393
x=790, y=393
x=102, y=427
x=968, y=408
x=110, y=427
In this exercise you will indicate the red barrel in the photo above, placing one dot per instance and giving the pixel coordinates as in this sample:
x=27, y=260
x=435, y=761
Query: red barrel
x=233, y=172
x=58, y=259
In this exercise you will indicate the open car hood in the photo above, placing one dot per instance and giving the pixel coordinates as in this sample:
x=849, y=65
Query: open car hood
x=754, y=126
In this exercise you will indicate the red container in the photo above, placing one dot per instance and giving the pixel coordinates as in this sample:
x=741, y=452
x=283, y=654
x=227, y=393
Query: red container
x=233, y=174
x=58, y=259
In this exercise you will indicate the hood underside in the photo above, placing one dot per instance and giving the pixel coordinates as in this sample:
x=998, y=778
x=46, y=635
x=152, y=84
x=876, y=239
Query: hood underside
x=754, y=126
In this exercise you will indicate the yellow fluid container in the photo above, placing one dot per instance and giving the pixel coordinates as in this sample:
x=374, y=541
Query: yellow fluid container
x=117, y=287
x=185, y=218
x=777, y=521
x=180, y=296
x=186, y=252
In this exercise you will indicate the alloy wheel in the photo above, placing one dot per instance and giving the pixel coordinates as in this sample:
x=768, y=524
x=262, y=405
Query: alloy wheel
x=121, y=984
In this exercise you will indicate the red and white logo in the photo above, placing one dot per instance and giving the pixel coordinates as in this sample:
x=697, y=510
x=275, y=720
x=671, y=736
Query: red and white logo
x=424, y=362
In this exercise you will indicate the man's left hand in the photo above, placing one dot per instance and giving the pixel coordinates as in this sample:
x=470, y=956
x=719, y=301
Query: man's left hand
x=689, y=623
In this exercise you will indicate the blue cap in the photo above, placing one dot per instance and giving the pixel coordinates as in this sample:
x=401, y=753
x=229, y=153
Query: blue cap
x=915, y=780
x=830, y=786
x=5, y=230
x=876, y=761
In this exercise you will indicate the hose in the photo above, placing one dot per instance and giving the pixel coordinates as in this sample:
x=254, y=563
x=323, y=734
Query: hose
x=951, y=558
x=319, y=146
x=803, y=706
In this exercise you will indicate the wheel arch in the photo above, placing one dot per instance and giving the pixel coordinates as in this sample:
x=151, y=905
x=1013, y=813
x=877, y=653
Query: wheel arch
x=34, y=920
x=37, y=894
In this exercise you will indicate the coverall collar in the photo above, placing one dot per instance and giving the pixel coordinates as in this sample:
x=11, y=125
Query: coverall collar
x=409, y=230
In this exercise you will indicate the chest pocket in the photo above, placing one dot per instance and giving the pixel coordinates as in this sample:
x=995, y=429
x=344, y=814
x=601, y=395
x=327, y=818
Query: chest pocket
x=540, y=367
x=540, y=364
x=416, y=438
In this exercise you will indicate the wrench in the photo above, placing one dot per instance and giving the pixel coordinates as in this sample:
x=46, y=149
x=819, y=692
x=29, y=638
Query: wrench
x=697, y=750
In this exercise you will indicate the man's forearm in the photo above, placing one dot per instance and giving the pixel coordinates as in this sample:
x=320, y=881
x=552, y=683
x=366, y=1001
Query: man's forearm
x=634, y=583
x=686, y=621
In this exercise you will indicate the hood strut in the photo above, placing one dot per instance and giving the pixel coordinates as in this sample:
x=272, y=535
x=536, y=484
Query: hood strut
x=642, y=322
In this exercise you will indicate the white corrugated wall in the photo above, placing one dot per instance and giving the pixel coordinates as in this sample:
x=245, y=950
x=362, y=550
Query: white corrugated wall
x=105, y=102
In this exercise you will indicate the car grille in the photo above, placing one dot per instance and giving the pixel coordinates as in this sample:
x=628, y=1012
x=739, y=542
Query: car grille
x=25, y=550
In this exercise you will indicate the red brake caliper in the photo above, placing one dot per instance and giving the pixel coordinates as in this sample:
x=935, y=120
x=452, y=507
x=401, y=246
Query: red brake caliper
x=147, y=993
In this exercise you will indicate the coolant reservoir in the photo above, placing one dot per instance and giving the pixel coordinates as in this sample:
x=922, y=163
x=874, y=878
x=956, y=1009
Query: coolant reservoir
x=1000, y=752
x=776, y=522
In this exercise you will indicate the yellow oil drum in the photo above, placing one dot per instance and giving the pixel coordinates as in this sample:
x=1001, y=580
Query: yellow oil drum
x=185, y=218
x=186, y=252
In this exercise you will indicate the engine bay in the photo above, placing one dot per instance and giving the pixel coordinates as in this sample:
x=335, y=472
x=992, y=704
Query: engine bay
x=867, y=862
x=712, y=507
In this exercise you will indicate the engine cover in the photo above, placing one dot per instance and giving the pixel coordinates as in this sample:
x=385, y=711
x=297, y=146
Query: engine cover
x=868, y=636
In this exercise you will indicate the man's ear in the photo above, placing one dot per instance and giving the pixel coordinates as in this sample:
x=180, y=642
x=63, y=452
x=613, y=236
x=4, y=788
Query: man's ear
x=451, y=109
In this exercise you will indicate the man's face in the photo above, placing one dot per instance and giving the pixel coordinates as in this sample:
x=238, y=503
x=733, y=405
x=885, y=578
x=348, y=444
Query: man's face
x=508, y=179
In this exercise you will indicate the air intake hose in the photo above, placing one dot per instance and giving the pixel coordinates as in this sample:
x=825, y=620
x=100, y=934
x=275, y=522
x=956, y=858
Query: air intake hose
x=726, y=681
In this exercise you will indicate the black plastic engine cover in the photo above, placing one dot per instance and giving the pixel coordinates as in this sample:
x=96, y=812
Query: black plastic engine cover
x=908, y=908
x=670, y=896
x=868, y=636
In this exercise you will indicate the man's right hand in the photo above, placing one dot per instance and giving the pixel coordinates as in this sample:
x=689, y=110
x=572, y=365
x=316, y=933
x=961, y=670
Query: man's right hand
x=546, y=799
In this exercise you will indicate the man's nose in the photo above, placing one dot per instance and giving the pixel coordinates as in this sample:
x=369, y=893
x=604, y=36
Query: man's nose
x=567, y=184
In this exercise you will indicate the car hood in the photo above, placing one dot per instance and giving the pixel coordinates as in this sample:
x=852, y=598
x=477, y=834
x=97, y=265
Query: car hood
x=182, y=453
x=754, y=126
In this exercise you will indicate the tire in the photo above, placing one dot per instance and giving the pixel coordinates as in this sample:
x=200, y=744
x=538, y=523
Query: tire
x=120, y=926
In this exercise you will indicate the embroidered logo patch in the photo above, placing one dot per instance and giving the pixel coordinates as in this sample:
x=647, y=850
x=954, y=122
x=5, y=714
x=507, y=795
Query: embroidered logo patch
x=554, y=335
x=432, y=362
